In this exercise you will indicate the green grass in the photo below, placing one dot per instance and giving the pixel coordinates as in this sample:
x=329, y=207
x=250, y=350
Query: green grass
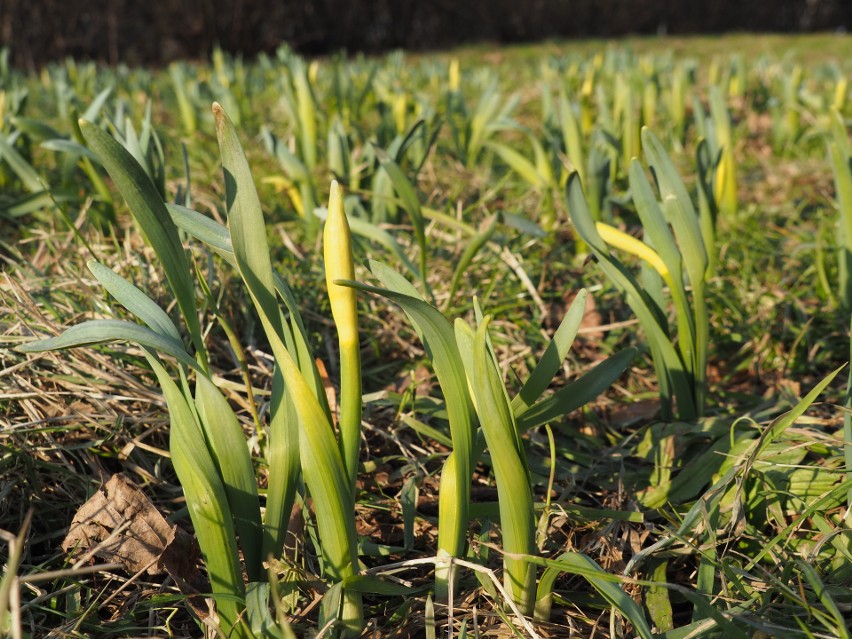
x=730, y=523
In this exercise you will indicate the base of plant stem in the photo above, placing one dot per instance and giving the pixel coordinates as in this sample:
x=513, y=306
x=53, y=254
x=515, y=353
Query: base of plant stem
x=351, y=615
x=445, y=576
x=348, y=615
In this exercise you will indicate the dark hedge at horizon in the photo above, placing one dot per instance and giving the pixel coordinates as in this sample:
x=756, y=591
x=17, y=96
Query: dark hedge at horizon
x=157, y=31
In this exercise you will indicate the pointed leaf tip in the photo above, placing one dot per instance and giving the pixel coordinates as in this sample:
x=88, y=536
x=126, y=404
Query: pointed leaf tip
x=219, y=116
x=335, y=196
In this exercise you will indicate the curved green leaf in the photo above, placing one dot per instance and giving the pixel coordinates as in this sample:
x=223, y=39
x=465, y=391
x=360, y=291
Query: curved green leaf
x=202, y=228
x=61, y=145
x=25, y=172
x=154, y=220
x=578, y=393
x=575, y=563
x=551, y=360
x=134, y=300
x=101, y=331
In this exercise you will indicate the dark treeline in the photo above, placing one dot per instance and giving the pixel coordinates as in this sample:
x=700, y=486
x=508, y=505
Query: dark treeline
x=156, y=31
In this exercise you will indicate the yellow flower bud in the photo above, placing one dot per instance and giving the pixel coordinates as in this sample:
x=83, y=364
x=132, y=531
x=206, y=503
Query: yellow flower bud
x=454, y=74
x=337, y=247
x=281, y=184
x=840, y=93
x=400, y=108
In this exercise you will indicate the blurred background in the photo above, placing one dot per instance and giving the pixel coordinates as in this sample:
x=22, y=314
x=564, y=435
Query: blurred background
x=157, y=31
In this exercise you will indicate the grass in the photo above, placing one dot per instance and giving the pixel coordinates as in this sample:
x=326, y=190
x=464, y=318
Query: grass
x=732, y=520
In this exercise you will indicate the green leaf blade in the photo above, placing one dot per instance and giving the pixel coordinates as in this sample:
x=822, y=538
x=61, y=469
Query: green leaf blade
x=134, y=300
x=101, y=331
x=207, y=501
x=229, y=449
x=154, y=220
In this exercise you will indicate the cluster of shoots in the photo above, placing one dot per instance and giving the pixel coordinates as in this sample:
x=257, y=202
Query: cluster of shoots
x=597, y=117
x=209, y=450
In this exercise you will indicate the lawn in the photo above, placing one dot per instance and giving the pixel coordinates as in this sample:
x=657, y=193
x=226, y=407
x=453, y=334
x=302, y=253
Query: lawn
x=545, y=341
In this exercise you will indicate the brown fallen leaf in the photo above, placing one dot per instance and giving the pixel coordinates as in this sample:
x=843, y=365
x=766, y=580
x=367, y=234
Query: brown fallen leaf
x=328, y=387
x=590, y=324
x=119, y=524
x=592, y=320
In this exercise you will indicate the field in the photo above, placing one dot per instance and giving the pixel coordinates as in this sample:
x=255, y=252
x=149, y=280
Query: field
x=543, y=341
